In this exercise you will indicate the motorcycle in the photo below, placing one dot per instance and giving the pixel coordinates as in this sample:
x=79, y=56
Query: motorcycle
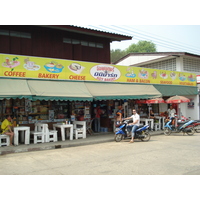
x=142, y=132
x=196, y=126
x=179, y=127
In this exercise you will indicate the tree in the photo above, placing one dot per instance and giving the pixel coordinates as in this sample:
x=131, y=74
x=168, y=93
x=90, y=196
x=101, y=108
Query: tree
x=141, y=47
x=117, y=54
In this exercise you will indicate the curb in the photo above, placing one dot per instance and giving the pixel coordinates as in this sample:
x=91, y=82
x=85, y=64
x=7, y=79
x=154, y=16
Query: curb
x=59, y=146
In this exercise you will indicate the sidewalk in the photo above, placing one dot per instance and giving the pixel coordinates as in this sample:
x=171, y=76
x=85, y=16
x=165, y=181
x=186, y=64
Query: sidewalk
x=91, y=139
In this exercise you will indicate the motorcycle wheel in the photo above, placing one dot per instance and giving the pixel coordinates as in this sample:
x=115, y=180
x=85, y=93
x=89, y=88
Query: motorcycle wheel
x=118, y=137
x=192, y=132
x=147, y=136
x=197, y=129
x=167, y=131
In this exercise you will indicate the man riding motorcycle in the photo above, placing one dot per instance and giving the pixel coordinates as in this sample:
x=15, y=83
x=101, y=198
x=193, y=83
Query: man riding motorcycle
x=134, y=125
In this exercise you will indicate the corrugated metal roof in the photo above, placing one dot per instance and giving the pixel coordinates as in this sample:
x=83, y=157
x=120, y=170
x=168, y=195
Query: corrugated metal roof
x=100, y=30
x=89, y=31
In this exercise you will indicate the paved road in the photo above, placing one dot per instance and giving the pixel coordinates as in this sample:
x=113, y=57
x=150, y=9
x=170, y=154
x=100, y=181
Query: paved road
x=162, y=155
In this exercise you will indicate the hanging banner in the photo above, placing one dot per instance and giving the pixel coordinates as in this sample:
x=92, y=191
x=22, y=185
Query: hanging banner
x=16, y=66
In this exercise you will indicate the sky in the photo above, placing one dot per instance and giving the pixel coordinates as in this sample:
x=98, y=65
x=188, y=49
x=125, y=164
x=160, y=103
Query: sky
x=172, y=26
x=168, y=38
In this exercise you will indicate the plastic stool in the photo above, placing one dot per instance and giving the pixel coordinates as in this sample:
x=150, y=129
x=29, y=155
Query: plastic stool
x=157, y=126
x=78, y=133
x=4, y=140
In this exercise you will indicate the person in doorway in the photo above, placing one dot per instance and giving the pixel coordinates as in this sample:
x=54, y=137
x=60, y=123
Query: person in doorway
x=98, y=113
x=7, y=128
x=134, y=125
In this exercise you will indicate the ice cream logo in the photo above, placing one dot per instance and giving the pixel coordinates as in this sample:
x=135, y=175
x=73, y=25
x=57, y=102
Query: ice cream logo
x=105, y=73
x=173, y=75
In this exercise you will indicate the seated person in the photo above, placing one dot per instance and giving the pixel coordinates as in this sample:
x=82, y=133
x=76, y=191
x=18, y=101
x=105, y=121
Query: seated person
x=7, y=128
x=151, y=115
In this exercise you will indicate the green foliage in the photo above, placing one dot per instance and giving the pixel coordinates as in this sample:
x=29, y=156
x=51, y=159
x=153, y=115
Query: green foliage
x=117, y=54
x=140, y=47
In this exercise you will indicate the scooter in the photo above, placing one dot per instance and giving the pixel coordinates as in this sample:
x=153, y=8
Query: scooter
x=142, y=132
x=179, y=127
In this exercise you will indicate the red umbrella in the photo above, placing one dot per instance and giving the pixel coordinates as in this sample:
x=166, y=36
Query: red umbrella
x=151, y=101
x=140, y=101
x=156, y=100
x=177, y=99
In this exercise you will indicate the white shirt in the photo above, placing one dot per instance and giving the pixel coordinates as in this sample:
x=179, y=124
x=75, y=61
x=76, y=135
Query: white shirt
x=171, y=113
x=136, y=117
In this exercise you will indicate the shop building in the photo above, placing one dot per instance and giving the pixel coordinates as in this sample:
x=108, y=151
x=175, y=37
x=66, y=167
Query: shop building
x=182, y=62
x=58, y=73
x=58, y=41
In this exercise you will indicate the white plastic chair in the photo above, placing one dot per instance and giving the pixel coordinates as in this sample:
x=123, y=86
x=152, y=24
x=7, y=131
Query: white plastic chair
x=49, y=135
x=78, y=132
x=79, y=129
x=4, y=140
x=157, y=126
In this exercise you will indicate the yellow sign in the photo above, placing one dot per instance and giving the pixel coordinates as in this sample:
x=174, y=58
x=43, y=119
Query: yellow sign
x=16, y=66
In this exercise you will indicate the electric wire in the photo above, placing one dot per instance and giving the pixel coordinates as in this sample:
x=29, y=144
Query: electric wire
x=168, y=45
x=161, y=41
x=153, y=38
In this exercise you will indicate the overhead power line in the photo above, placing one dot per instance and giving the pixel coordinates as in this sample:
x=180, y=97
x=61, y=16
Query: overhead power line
x=162, y=42
x=141, y=35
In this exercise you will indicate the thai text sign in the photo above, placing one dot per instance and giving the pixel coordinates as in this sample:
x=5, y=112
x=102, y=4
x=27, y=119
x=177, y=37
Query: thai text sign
x=16, y=66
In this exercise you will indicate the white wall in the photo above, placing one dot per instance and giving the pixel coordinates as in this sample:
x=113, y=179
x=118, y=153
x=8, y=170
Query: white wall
x=191, y=112
x=131, y=60
x=162, y=107
x=194, y=113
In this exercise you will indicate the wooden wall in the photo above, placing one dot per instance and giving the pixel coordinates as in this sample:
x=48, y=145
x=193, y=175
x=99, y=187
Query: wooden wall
x=47, y=42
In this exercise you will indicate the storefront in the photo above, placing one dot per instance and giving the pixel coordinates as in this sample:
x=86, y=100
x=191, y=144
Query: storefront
x=54, y=90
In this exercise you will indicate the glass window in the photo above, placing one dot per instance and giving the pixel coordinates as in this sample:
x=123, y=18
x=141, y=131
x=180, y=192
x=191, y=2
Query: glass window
x=84, y=43
x=92, y=44
x=4, y=32
x=75, y=41
x=99, y=45
x=15, y=34
x=67, y=40
x=25, y=35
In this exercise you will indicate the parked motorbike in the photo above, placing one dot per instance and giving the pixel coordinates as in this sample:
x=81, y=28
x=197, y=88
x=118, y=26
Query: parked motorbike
x=142, y=132
x=196, y=126
x=179, y=127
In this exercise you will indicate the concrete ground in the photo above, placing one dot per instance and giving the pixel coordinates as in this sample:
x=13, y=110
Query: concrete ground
x=91, y=139
x=161, y=155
